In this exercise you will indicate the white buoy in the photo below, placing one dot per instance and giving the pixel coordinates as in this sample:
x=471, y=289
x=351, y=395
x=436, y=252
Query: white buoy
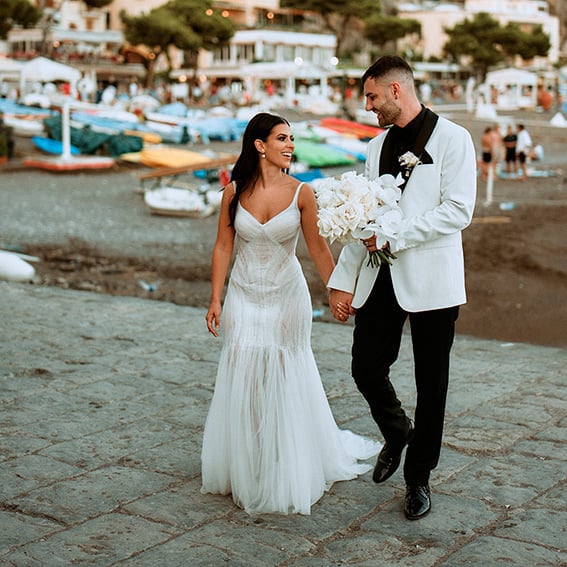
x=14, y=269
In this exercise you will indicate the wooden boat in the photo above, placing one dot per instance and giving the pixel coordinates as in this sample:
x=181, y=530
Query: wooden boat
x=177, y=202
x=171, y=157
x=147, y=137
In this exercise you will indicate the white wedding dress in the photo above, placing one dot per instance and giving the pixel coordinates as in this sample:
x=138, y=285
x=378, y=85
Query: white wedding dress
x=270, y=438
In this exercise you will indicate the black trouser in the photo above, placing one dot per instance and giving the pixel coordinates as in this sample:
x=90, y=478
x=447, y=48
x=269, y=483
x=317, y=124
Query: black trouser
x=377, y=337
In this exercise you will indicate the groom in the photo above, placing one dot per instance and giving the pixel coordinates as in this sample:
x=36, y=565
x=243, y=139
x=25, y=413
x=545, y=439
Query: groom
x=425, y=284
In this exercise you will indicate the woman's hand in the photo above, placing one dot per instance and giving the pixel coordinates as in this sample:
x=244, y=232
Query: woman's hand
x=213, y=318
x=339, y=301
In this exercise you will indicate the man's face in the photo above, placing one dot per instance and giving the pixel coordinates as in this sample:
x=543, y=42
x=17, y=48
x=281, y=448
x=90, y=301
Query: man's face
x=379, y=96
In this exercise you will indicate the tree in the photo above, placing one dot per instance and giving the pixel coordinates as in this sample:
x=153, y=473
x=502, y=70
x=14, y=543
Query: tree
x=338, y=15
x=188, y=25
x=515, y=41
x=381, y=29
x=17, y=12
x=483, y=43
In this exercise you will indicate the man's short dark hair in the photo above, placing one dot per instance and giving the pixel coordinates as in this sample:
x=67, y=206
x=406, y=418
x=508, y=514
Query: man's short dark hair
x=383, y=65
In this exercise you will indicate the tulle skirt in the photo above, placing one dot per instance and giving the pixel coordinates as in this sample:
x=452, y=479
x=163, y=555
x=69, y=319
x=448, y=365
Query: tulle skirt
x=270, y=438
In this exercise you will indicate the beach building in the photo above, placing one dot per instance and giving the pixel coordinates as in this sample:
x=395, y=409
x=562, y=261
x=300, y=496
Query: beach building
x=434, y=18
x=269, y=45
x=280, y=51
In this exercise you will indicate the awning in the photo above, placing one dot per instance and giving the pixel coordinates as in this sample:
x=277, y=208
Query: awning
x=108, y=36
x=224, y=72
x=284, y=70
x=36, y=34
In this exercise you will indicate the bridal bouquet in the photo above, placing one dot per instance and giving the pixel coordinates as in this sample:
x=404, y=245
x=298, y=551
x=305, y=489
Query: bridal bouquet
x=352, y=207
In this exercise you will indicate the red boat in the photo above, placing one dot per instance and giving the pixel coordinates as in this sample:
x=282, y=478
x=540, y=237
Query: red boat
x=360, y=131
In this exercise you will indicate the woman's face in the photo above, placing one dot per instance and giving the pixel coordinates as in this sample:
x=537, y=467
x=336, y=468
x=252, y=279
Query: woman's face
x=279, y=146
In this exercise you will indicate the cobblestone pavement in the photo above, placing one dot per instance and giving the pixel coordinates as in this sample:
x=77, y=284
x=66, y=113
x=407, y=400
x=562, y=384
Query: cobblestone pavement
x=103, y=401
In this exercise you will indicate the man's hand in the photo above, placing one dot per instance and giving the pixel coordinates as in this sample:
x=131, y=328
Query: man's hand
x=340, y=303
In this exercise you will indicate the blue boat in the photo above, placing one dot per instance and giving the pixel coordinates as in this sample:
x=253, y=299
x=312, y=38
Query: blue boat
x=50, y=146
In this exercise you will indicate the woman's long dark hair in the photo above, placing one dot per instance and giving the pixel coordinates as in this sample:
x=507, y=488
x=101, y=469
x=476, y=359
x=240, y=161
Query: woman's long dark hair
x=246, y=171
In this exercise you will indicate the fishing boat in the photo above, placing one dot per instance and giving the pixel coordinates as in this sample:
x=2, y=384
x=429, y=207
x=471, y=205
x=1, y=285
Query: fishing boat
x=178, y=202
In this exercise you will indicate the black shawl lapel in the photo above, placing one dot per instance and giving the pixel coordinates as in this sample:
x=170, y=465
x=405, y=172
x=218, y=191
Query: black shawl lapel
x=386, y=154
x=429, y=122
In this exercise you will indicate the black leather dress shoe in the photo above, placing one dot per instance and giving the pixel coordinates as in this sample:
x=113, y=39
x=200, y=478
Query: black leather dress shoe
x=417, y=502
x=389, y=459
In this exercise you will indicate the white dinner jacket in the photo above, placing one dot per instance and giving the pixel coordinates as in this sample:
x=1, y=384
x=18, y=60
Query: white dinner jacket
x=437, y=204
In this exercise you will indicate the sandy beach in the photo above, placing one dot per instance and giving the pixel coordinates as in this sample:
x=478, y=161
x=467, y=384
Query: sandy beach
x=92, y=231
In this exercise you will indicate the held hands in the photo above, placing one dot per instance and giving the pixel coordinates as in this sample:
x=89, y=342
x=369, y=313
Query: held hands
x=340, y=303
x=213, y=318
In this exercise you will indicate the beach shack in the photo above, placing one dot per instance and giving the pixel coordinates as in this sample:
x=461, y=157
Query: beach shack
x=43, y=70
x=511, y=89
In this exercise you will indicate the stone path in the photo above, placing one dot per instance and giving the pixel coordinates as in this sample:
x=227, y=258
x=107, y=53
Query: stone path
x=103, y=401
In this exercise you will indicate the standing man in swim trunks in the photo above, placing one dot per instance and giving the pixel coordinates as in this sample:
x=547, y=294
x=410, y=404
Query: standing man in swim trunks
x=486, y=142
x=510, y=140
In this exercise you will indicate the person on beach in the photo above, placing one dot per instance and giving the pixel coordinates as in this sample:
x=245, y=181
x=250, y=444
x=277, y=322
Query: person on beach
x=270, y=438
x=486, y=143
x=523, y=148
x=497, y=145
x=425, y=283
x=510, y=140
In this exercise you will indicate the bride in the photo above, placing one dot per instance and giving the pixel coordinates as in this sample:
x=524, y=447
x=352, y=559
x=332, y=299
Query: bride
x=270, y=438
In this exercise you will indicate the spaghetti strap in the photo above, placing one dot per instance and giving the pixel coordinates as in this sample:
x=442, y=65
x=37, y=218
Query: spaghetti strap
x=296, y=196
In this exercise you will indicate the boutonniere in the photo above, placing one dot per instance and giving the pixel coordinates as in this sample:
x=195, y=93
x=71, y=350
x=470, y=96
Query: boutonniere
x=408, y=161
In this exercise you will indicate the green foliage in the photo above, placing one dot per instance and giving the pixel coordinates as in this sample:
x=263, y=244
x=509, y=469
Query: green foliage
x=485, y=43
x=158, y=30
x=20, y=12
x=532, y=44
x=189, y=25
x=347, y=8
x=381, y=29
x=337, y=14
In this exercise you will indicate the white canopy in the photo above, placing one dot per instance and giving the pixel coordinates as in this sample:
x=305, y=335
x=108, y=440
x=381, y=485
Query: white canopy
x=10, y=66
x=283, y=70
x=45, y=70
x=511, y=88
x=9, y=69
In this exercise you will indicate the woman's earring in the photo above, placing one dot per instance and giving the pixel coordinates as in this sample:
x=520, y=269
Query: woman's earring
x=263, y=155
